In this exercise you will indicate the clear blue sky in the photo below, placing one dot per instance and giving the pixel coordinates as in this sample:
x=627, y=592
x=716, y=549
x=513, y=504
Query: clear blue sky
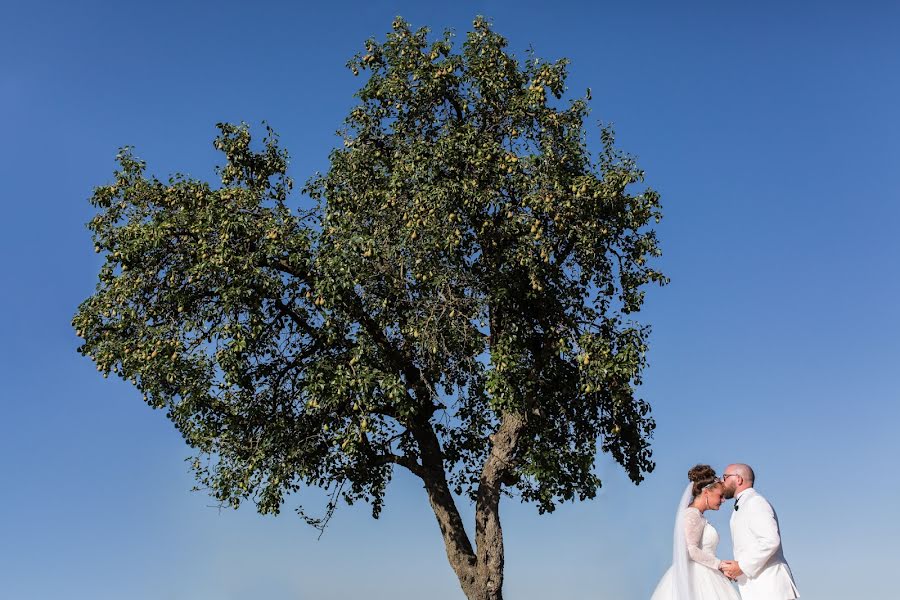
x=771, y=129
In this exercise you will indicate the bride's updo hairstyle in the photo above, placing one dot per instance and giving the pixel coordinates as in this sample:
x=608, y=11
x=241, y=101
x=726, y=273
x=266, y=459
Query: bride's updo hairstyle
x=703, y=476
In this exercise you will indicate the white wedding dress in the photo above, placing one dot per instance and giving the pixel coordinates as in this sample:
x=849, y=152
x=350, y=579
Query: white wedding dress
x=698, y=571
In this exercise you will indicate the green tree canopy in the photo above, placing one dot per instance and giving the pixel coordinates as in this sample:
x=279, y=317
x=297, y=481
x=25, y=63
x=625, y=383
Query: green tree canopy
x=457, y=303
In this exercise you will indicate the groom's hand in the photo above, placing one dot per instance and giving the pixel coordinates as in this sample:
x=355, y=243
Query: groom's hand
x=723, y=565
x=731, y=569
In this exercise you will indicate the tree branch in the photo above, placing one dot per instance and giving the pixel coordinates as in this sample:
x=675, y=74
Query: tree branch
x=404, y=461
x=399, y=360
x=456, y=106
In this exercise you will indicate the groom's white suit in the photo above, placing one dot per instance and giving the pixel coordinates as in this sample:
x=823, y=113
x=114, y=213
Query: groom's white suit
x=757, y=550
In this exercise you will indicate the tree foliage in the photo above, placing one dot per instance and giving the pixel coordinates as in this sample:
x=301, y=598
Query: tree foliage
x=458, y=302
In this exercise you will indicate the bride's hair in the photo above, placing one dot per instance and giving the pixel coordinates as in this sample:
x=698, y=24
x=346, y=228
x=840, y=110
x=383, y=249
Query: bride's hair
x=703, y=476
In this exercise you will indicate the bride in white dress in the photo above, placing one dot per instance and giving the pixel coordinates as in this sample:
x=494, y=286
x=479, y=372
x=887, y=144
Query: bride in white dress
x=694, y=574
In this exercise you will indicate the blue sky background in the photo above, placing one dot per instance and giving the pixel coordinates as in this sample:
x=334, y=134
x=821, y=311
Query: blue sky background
x=771, y=130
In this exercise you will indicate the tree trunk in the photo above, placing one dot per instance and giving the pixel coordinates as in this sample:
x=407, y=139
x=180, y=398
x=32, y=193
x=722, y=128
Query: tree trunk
x=480, y=572
x=456, y=541
x=488, y=532
x=480, y=575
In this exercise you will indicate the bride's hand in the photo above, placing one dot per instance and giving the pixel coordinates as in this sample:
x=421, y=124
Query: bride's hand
x=731, y=569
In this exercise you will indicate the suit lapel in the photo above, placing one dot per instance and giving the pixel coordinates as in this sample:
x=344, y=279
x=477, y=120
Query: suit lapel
x=737, y=516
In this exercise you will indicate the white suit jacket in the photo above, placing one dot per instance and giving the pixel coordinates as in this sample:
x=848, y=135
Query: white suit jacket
x=757, y=549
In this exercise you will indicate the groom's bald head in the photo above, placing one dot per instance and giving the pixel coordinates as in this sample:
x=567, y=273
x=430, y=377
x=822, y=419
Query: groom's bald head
x=744, y=471
x=737, y=478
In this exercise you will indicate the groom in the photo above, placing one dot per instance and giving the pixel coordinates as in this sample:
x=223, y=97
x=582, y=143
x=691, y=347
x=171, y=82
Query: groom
x=759, y=566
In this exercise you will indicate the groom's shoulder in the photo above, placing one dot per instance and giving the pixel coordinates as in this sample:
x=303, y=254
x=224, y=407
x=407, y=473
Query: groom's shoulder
x=755, y=497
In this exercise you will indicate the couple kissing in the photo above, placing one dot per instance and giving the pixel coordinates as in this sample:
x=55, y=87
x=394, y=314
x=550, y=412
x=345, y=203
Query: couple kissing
x=759, y=566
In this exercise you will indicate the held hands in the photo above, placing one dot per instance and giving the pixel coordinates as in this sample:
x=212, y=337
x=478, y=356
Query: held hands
x=731, y=569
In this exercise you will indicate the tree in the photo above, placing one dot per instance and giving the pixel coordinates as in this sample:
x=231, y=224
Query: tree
x=457, y=302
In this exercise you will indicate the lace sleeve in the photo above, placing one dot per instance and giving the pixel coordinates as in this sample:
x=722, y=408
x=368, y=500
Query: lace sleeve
x=693, y=532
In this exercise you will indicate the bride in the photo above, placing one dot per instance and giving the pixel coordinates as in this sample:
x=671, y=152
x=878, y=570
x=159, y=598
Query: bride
x=694, y=573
